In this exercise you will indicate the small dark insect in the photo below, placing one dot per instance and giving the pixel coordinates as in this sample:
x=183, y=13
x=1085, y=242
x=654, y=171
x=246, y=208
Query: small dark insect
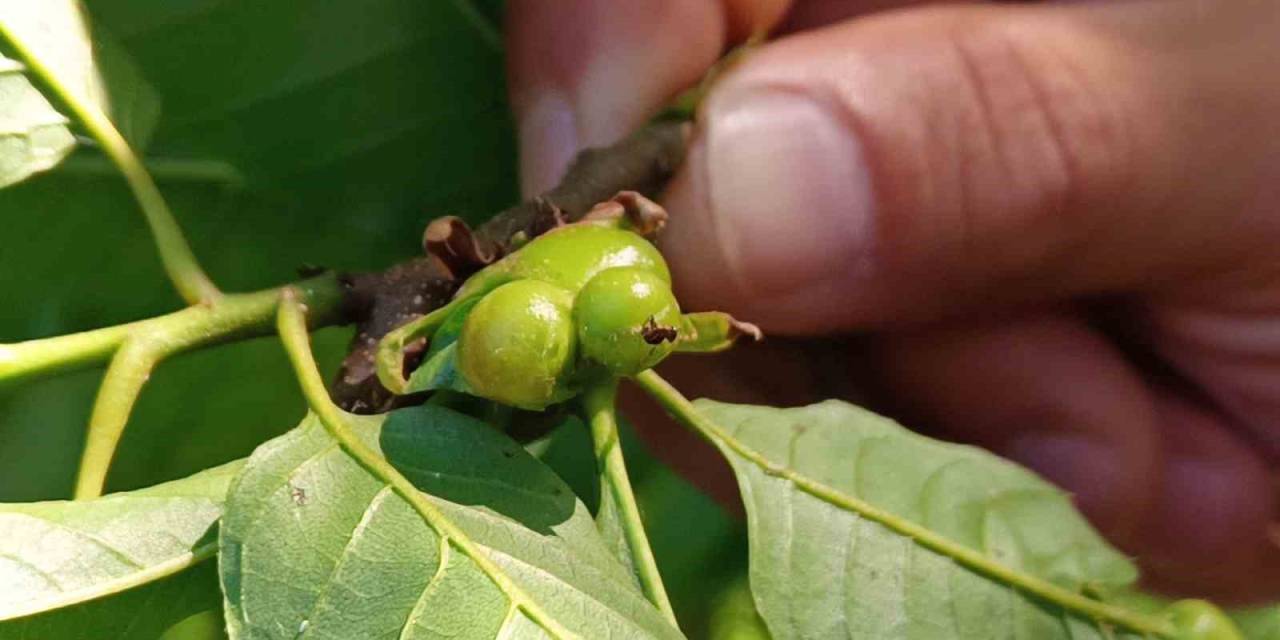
x=655, y=334
x=299, y=495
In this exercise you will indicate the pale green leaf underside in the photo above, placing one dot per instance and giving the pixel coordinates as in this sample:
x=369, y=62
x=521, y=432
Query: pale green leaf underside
x=34, y=137
x=819, y=570
x=314, y=546
x=60, y=555
x=55, y=31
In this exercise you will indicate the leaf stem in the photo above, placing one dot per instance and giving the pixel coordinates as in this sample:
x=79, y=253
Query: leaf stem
x=137, y=347
x=237, y=316
x=62, y=353
x=292, y=327
x=599, y=402
x=129, y=371
x=179, y=261
x=684, y=411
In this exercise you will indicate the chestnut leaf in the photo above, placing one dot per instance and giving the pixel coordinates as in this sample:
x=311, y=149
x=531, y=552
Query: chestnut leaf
x=861, y=528
x=99, y=568
x=314, y=545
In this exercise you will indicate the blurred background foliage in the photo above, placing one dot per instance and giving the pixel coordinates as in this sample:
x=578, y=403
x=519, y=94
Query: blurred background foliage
x=282, y=135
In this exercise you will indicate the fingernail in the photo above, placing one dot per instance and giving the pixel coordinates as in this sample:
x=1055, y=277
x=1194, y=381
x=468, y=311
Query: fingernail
x=788, y=190
x=1092, y=471
x=548, y=142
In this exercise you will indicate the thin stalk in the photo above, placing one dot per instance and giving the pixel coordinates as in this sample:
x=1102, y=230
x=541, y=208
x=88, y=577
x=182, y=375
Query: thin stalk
x=179, y=261
x=600, y=405
x=62, y=353
x=292, y=327
x=684, y=411
x=136, y=348
x=237, y=316
x=129, y=371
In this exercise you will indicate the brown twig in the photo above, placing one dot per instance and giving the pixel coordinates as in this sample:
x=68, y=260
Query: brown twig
x=643, y=162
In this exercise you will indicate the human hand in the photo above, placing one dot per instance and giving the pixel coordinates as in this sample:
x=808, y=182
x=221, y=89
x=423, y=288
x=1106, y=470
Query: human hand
x=1055, y=225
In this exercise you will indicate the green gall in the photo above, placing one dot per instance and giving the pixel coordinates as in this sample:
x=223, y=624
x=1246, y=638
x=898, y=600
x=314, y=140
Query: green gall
x=569, y=256
x=627, y=320
x=1201, y=620
x=517, y=344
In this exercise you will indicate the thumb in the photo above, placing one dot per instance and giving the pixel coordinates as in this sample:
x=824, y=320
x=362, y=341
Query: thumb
x=925, y=162
x=583, y=73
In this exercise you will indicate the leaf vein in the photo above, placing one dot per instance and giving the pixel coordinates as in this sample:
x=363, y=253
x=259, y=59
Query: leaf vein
x=347, y=550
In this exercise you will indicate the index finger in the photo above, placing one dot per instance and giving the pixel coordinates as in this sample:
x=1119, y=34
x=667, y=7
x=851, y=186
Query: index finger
x=585, y=72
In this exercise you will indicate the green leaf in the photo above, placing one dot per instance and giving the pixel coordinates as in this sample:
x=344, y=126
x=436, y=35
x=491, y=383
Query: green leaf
x=439, y=369
x=203, y=625
x=1258, y=623
x=110, y=561
x=143, y=613
x=734, y=616
x=439, y=372
x=132, y=103
x=34, y=135
x=343, y=153
x=55, y=33
x=315, y=543
x=861, y=528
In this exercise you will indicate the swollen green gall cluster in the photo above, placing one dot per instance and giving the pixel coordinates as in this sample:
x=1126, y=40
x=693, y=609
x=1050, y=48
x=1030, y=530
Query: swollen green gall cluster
x=1201, y=620
x=517, y=343
x=627, y=320
x=583, y=299
x=582, y=302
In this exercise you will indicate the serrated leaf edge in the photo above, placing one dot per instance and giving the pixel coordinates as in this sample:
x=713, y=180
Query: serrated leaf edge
x=689, y=414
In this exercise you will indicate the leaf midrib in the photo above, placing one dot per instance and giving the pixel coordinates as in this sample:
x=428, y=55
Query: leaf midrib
x=343, y=432
x=975, y=560
x=961, y=554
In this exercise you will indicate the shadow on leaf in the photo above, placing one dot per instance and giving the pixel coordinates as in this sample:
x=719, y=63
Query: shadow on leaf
x=463, y=460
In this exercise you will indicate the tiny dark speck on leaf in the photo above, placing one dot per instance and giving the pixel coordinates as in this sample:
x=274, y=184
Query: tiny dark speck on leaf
x=299, y=495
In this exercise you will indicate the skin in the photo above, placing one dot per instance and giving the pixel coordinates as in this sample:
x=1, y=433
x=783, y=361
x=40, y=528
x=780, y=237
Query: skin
x=1053, y=227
